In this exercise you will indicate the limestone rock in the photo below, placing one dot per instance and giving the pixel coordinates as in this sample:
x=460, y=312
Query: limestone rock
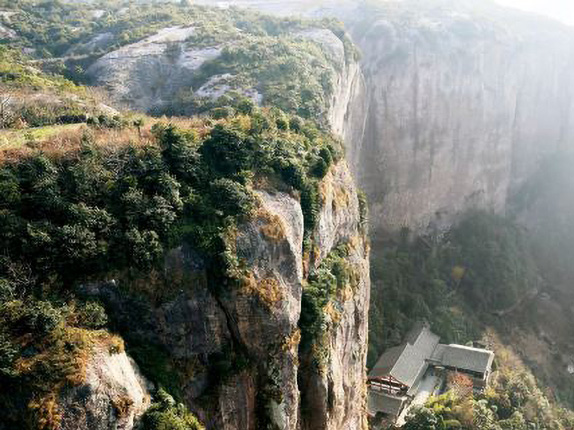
x=113, y=396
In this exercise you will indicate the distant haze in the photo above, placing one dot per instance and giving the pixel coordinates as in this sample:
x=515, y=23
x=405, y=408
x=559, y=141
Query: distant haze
x=562, y=10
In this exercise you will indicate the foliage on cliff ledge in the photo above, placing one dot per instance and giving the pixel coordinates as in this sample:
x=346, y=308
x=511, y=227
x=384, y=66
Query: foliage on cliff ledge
x=103, y=207
x=98, y=208
x=322, y=301
x=167, y=414
x=45, y=345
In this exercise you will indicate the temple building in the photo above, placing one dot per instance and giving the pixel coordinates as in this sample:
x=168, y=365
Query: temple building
x=409, y=373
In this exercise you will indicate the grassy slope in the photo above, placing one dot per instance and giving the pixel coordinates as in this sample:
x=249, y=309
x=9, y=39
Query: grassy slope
x=261, y=52
x=16, y=139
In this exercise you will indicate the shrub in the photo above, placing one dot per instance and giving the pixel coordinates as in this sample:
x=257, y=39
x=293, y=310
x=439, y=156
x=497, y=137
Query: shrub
x=310, y=206
x=78, y=244
x=282, y=123
x=231, y=197
x=246, y=106
x=93, y=121
x=326, y=154
x=222, y=112
x=226, y=151
x=293, y=174
x=166, y=414
x=115, y=121
x=10, y=193
x=452, y=425
x=296, y=124
x=363, y=211
x=332, y=276
x=178, y=153
x=144, y=248
x=421, y=418
x=38, y=318
x=92, y=316
x=9, y=352
x=6, y=290
x=320, y=168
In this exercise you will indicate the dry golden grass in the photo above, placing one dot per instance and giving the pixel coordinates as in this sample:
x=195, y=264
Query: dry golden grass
x=332, y=312
x=326, y=188
x=67, y=140
x=345, y=294
x=122, y=405
x=267, y=290
x=341, y=198
x=291, y=343
x=273, y=228
x=270, y=291
x=67, y=353
x=47, y=410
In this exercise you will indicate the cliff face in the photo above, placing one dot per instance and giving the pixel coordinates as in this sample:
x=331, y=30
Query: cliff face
x=248, y=360
x=464, y=101
x=454, y=106
x=333, y=395
x=242, y=343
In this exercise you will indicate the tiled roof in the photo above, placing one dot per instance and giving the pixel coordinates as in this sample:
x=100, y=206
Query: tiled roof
x=464, y=357
x=387, y=361
x=407, y=362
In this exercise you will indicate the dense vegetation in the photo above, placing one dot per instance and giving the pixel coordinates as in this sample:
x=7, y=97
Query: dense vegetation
x=166, y=414
x=478, y=275
x=456, y=282
x=260, y=54
x=109, y=198
x=102, y=209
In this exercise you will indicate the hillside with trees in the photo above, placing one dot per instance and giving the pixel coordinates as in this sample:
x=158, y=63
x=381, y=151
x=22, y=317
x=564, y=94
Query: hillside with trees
x=282, y=60
x=121, y=235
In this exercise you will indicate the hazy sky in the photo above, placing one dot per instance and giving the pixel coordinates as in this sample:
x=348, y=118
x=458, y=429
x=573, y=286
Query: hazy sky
x=559, y=9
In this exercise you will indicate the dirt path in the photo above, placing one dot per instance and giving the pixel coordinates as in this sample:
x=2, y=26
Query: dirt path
x=531, y=295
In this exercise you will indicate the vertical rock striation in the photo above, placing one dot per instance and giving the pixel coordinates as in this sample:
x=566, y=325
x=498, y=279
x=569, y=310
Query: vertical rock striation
x=464, y=101
x=333, y=393
x=241, y=342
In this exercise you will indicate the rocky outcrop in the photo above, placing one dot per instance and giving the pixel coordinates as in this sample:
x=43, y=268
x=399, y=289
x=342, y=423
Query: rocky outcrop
x=113, y=396
x=333, y=395
x=454, y=107
x=241, y=340
x=170, y=71
x=147, y=74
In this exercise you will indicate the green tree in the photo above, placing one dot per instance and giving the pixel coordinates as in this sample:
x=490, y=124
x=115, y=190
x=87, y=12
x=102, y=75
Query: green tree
x=226, y=150
x=231, y=197
x=422, y=418
x=167, y=414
